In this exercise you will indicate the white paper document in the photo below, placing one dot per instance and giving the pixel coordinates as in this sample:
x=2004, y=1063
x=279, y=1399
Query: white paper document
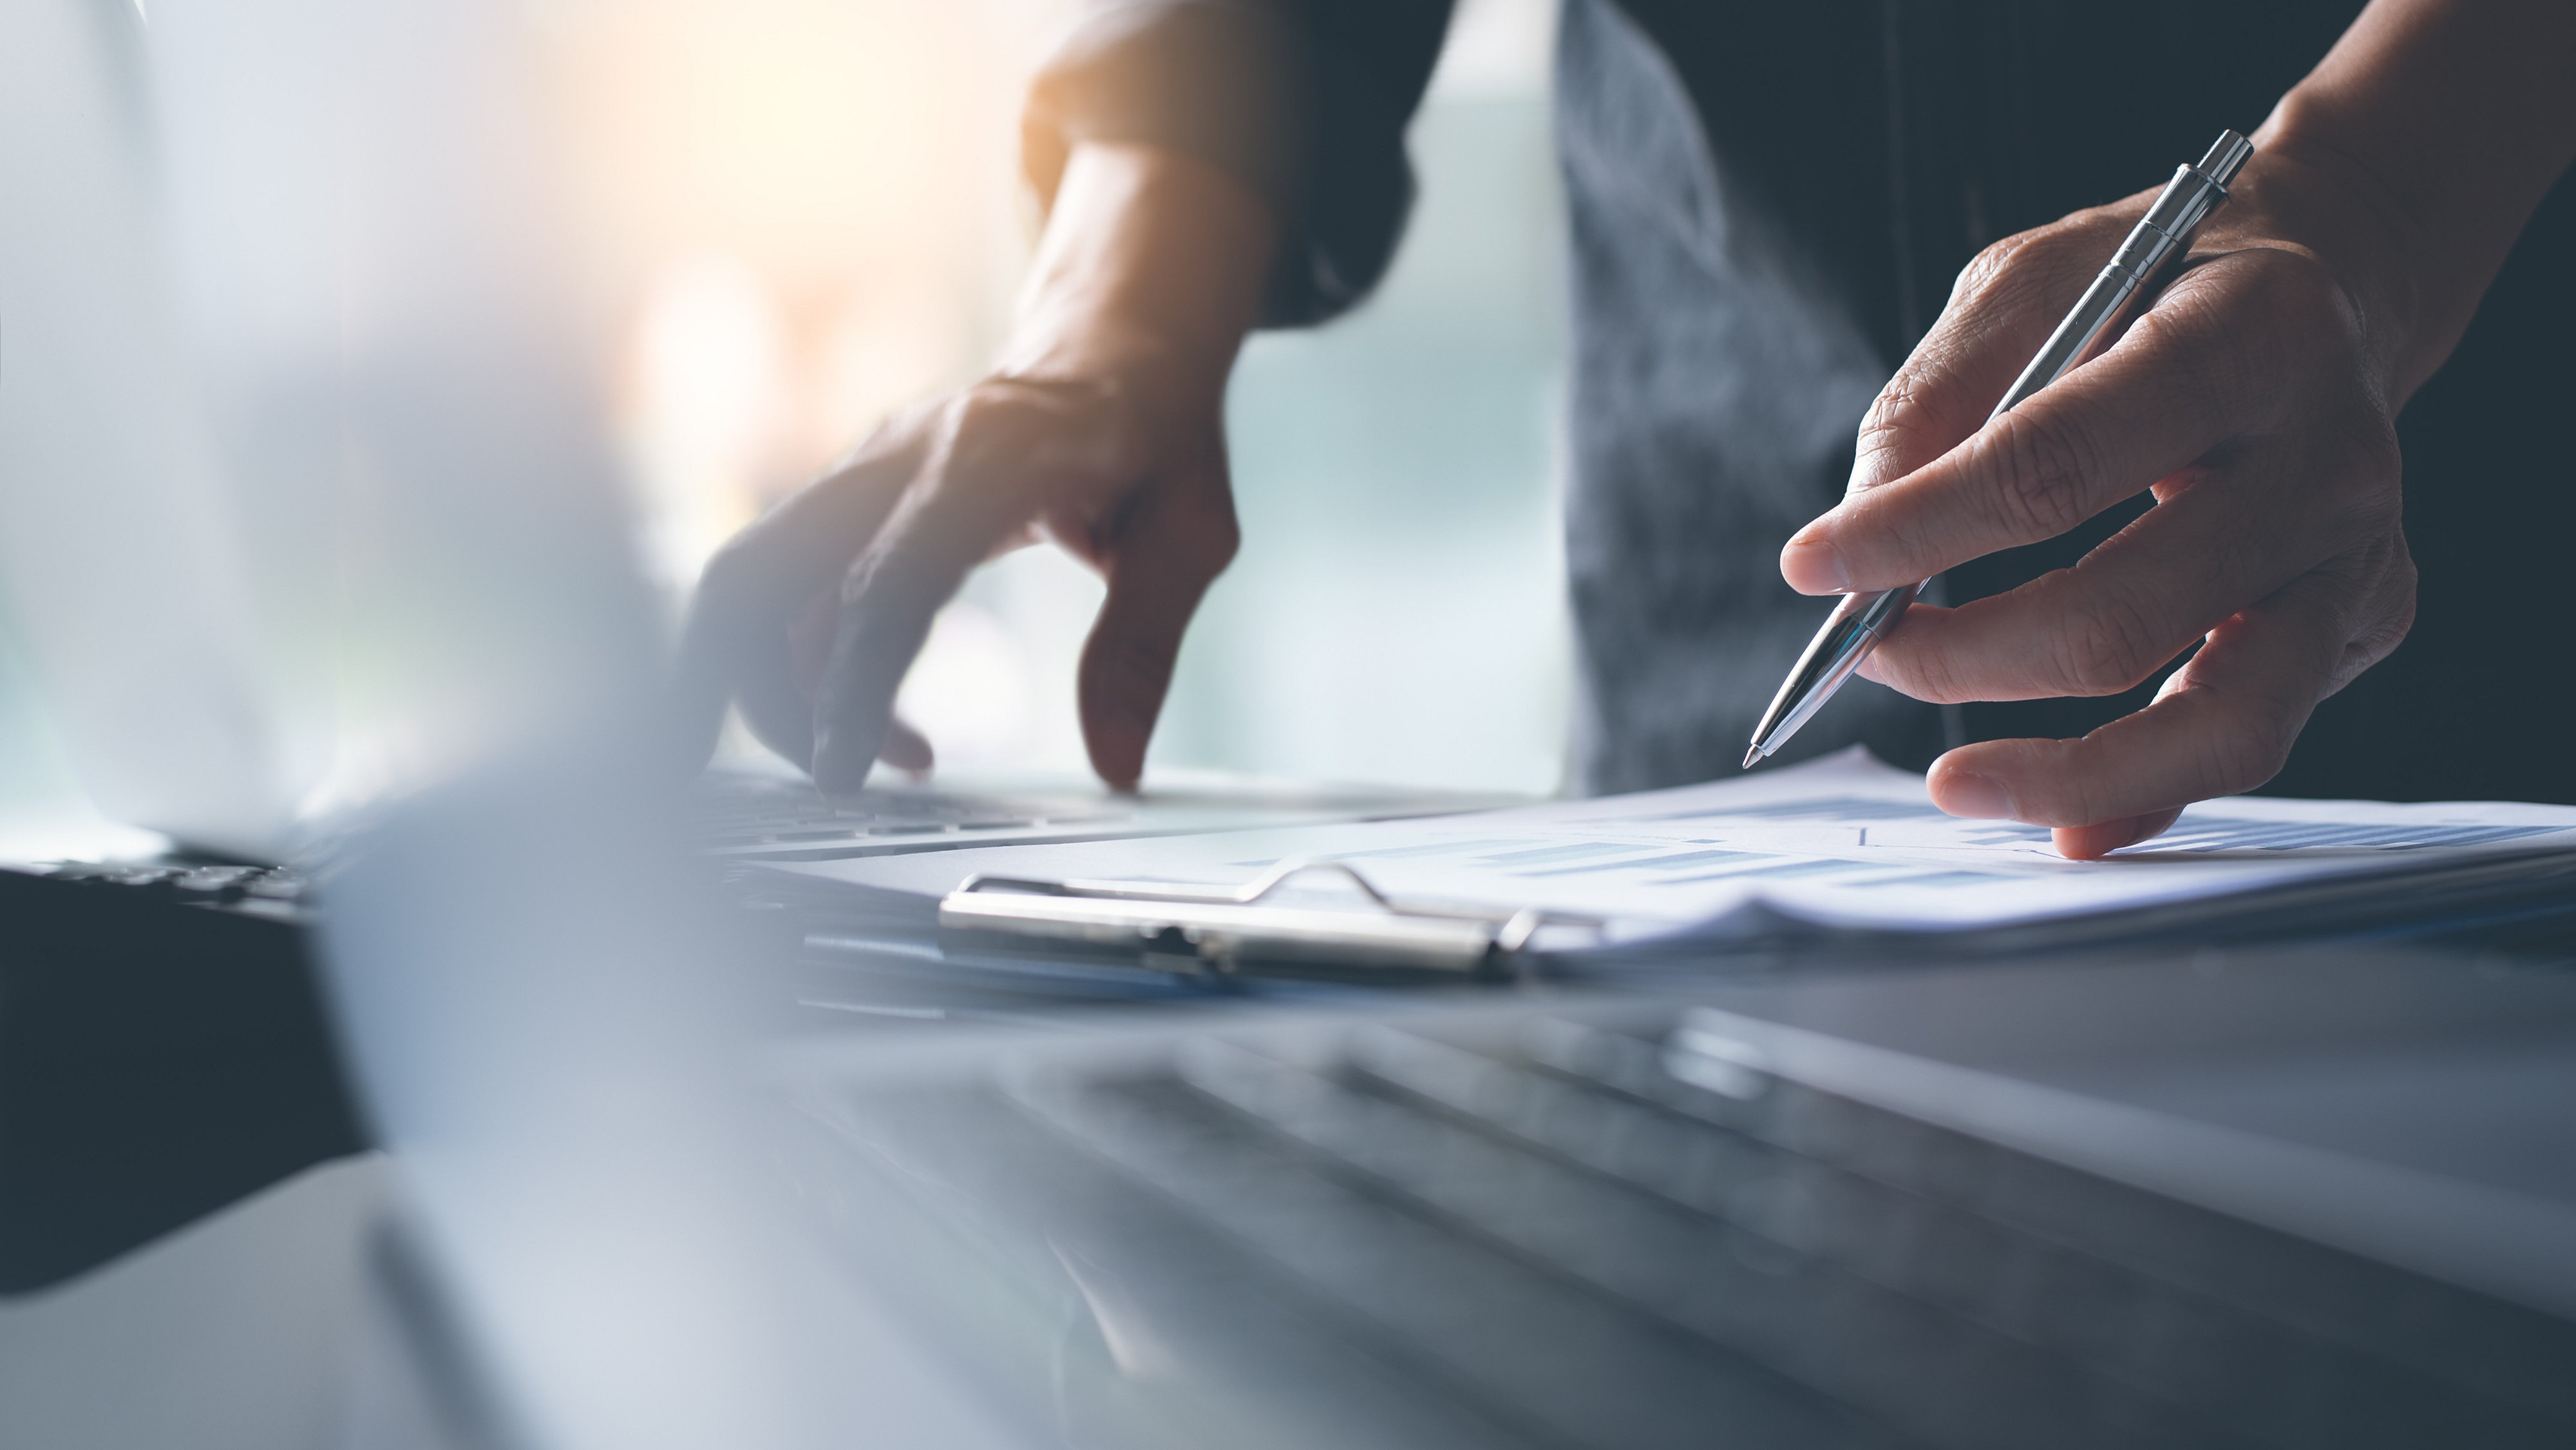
x=1842, y=842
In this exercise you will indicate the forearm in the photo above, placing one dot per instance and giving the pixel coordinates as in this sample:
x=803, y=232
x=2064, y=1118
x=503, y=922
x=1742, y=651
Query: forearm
x=2424, y=140
x=1304, y=102
x=1151, y=261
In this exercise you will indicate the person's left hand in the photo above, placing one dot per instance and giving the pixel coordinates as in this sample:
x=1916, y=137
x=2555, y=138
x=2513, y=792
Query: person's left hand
x=2252, y=399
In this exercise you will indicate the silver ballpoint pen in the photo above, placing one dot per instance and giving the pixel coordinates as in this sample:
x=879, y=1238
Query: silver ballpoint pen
x=1860, y=621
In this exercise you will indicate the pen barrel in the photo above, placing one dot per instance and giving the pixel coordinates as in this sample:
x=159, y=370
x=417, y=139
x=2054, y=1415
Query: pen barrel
x=2164, y=233
x=2103, y=304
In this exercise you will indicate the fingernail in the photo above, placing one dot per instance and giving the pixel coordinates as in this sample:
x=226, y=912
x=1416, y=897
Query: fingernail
x=1977, y=797
x=1814, y=566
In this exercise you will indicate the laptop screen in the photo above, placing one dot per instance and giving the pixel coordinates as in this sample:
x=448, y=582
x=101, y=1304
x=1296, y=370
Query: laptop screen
x=301, y=496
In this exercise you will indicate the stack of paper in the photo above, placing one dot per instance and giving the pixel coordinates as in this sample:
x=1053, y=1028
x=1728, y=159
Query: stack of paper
x=1842, y=842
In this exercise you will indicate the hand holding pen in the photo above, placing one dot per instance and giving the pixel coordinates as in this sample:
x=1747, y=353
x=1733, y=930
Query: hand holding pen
x=1864, y=618
x=2255, y=400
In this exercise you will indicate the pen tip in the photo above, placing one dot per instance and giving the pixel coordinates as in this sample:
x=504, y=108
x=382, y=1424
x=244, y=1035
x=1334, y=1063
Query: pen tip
x=1751, y=756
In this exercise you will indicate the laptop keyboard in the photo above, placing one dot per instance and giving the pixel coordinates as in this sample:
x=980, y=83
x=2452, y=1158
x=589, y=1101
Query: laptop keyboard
x=736, y=812
x=270, y=891
x=1584, y=1235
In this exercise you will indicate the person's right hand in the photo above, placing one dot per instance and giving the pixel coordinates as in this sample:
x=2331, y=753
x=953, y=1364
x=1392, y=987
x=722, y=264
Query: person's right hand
x=1103, y=430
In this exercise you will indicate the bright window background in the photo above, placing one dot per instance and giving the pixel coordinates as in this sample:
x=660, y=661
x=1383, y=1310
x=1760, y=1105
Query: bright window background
x=1398, y=611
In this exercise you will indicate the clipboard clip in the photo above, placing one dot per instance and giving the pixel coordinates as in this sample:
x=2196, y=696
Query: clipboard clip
x=1226, y=929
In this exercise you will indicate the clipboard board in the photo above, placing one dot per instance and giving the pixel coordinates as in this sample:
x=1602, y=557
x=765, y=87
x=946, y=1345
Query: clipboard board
x=1241, y=930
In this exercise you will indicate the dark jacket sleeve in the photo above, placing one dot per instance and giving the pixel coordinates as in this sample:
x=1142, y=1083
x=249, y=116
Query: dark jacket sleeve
x=1305, y=100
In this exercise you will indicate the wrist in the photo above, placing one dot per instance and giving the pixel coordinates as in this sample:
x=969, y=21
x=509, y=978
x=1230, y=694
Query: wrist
x=1166, y=372
x=1151, y=269
x=2315, y=188
x=2435, y=129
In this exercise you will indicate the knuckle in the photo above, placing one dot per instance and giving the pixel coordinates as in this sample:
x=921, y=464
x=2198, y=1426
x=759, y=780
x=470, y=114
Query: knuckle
x=1896, y=403
x=2374, y=514
x=2188, y=327
x=2026, y=265
x=2288, y=301
x=1930, y=675
x=2379, y=462
x=1222, y=540
x=2402, y=580
x=2212, y=352
x=1194, y=519
x=1920, y=660
x=2239, y=759
x=2300, y=288
x=2359, y=493
x=1911, y=671
x=991, y=415
x=1988, y=276
x=1990, y=264
x=2393, y=615
x=1043, y=436
x=2376, y=642
x=2042, y=463
x=1189, y=534
x=2249, y=323
x=1908, y=422
x=2109, y=647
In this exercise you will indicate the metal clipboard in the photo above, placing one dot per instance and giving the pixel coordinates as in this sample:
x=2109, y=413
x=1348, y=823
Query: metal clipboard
x=1235, y=930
